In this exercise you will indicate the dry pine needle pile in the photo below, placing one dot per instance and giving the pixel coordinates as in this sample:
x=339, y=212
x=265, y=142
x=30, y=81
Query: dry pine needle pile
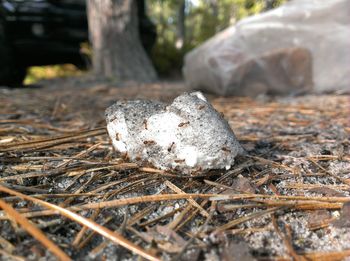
x=66, y=194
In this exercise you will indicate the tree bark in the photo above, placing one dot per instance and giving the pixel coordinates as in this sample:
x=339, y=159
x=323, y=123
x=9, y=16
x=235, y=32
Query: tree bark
x=117, y=49
x=215, y=12
x=181, y=28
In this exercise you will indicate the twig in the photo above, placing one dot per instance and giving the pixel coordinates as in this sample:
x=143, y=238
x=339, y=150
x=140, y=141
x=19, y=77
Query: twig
x=190, y=200
x=243, y=219
x=287, y=241
x=51, y=142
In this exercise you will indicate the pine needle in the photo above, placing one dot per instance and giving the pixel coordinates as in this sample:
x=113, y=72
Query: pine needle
x=113, y=236
x=33, y=230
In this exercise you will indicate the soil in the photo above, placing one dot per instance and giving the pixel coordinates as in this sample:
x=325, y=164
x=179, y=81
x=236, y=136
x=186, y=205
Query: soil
x=287, y=199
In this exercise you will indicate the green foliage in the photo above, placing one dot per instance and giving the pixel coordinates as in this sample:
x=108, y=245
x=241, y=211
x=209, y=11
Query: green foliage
x=36, y=73
x=166, y=57
x=204, y=18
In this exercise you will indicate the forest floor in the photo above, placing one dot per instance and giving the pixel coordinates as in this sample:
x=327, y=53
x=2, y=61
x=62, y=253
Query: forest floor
x=288, y=199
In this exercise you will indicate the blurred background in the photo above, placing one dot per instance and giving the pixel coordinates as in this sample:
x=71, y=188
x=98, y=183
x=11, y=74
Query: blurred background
x=184, y=25
x=44, y=39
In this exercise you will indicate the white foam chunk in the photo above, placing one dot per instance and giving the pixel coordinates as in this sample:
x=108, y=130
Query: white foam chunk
x=188, y=135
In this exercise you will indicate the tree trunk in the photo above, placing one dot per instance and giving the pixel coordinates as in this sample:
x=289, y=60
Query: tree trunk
x=117, y=49
x=181, y=28
x=215, y=13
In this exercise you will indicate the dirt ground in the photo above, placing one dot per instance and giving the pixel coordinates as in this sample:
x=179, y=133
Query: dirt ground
x=287, y=199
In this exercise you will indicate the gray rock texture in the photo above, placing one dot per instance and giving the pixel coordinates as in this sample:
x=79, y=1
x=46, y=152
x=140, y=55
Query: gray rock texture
x=188, y=135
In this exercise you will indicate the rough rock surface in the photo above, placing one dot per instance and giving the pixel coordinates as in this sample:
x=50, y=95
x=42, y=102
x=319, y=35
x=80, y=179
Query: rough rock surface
x=189, y=135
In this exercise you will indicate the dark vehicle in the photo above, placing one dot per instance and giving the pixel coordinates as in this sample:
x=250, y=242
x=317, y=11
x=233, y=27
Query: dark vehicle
x=44, y=32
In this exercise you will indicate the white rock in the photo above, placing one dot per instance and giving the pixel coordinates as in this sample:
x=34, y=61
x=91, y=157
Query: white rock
x=189, y=135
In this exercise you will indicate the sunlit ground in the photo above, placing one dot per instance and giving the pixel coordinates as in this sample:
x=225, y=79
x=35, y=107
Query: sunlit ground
x=37, y=73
